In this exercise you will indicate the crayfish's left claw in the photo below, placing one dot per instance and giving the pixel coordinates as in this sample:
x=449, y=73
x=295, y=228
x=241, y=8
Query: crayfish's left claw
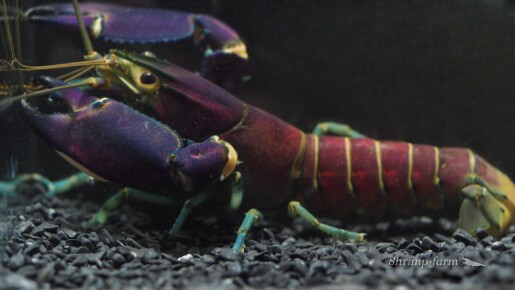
x=63, y=14
x=227, y=70
x=118, y=23
x=225, y=54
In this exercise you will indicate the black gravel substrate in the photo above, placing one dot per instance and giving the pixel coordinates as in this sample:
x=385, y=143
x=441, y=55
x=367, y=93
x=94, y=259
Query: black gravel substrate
x=45, y=248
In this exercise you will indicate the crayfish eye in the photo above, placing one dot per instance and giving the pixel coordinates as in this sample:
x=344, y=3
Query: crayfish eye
x=148, y=78
x=144, y=80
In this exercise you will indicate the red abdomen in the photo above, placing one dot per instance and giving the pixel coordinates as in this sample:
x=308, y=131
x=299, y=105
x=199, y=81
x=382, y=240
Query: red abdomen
x=343, y=176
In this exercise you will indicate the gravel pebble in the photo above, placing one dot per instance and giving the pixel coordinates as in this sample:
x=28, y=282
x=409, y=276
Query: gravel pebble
x=106, y=238
x=464, y=237
x=118, y=259
x=234, y=269
x=186, y=259
x=227, y=254
x=16, y=261
x=56, y=253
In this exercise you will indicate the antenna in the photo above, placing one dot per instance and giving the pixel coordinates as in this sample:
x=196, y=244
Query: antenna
x=91, y=54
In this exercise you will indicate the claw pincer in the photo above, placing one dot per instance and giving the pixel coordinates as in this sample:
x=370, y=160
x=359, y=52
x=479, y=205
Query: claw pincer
x=225, y=55
x=112, y=142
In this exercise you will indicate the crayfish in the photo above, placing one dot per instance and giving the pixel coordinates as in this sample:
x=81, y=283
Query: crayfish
x=341, y=176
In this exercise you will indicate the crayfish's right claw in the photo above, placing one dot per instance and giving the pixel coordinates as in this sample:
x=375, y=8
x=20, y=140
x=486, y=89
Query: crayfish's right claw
x=104, y=138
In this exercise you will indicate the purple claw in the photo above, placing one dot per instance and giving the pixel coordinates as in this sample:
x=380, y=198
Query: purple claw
x=225, y=54
x=224, y=69
x=138, y=25
x=107, y=139
x=112, y=142
x=120, y=24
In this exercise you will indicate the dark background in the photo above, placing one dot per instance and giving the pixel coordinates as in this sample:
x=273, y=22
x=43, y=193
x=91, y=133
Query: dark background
x=436, y=72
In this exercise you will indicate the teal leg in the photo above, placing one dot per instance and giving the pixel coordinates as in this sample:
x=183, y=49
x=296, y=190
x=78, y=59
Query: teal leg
x=68, y=183
x=125, y=194
x=295, y=208
x=53, y=188
x=7, y=189
x=186, y=209
x=236, y=192
x=338, y=129
x=235, y=202
x=250, y=217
